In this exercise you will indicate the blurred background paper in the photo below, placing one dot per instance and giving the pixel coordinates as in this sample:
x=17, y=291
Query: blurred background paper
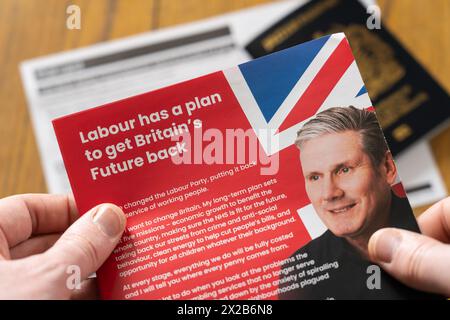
x=420, y=175
x=77, y=80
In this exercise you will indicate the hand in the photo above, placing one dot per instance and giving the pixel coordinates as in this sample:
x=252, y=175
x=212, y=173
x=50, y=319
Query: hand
x=419, y=261
x=35, y=253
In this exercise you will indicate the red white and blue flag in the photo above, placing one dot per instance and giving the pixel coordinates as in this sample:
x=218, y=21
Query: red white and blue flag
x=280, y=92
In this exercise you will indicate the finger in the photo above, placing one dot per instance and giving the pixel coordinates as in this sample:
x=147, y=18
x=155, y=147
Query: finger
x=90, y=240
x=435, y=222
x=30, y=214
x=34, y=245
x=416, y=260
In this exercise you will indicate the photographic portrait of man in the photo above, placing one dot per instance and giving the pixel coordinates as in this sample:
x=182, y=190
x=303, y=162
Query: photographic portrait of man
x=348, y=173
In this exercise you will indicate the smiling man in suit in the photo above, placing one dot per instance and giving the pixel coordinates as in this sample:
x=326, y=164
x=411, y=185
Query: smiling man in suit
x=348, y=171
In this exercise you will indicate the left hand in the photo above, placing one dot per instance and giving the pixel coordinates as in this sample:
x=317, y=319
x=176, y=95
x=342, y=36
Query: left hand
x=41, y=236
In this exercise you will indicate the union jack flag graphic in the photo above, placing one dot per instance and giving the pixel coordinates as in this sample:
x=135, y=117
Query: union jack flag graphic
x=281, y=91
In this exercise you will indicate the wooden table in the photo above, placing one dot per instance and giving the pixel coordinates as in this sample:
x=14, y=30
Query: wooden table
x=31, y=28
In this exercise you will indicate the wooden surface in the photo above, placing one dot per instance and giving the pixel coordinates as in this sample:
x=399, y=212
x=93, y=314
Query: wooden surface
x=31, y=28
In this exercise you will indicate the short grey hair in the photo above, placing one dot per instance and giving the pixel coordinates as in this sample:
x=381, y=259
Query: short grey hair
x=341, y=119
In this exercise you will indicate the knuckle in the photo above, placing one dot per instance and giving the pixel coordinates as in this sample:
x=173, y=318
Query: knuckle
x=415, y=268
x=445, y=209
x=85, y=247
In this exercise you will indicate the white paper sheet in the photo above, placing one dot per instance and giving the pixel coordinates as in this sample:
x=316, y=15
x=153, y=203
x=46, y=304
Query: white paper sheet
x=420, y=175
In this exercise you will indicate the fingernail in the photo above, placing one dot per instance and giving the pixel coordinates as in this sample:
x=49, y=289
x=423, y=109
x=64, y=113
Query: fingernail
x=387, y=243
x=109, y=220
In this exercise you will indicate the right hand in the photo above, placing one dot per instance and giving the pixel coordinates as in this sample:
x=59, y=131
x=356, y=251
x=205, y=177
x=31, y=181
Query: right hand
x=421, y=261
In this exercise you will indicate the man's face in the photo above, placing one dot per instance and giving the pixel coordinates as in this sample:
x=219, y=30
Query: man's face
x=345, y=189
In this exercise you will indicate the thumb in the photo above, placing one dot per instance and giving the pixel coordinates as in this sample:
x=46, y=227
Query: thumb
x=89, y=241
x=416, y=260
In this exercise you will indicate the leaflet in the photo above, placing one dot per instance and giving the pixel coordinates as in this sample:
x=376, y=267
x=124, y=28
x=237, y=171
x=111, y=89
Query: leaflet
x=256, y=182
